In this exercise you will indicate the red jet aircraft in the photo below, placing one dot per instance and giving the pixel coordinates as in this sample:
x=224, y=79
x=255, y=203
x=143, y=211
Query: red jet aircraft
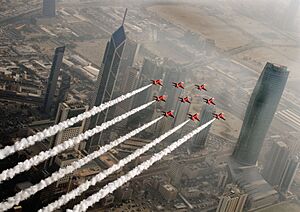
x=194, y=117
x=185, y=99
x=169, y=114
x=201, y=87
x=219, y=116
x=157, y=82
x=209, y=101
x=178, y=84
x=160, y=98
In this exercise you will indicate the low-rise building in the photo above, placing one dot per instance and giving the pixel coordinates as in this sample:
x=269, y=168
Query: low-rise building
x=168, y=192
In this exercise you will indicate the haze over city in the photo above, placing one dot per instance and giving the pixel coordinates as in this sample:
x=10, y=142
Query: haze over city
x=150, y=105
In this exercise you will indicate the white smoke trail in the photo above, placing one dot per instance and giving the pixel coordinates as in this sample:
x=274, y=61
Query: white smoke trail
x=99, y=177
x=25, y=194
x=31, y=140
x=109, y=188
x=42, y=156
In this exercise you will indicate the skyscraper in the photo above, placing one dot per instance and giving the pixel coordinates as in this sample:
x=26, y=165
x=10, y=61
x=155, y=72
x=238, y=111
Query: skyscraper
x=49, y=8
x=130, y=80
x=64, y=87
x=233, y=200
x=150, y=70
x=289, y=174
x=276, y=162
x=223, y=178
x=181, y=111
x=53, y=77
x=172, y=74
x=106, y=82
x=169, y=72
x=260, y=112
x=199, y=140
x=127, y=62
x=66, y=111
x=295, y=145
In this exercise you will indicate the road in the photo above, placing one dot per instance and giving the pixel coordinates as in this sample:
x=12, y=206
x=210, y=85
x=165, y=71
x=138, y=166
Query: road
x=8, y=20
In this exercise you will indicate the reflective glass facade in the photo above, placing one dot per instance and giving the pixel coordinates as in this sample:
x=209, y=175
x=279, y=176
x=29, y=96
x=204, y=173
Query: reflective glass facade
x=53, y=77
x=206, y=115
x=106, y=82
x=259, y=114
x=49, y=8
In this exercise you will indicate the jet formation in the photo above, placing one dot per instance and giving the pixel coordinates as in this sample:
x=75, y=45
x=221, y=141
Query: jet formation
x=185, y=99
x=157, y=82
x=201, y=87
x=209, y=101
x=180, y=85
x=219, y=116
x=194, y=117
x=160, y=98
x=169, y=114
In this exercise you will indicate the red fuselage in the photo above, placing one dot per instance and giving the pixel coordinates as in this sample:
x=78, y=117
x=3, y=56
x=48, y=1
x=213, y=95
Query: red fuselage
x=201, y=87
x=185, y=99
x=219, y=116
x=209, y=101
x=157, y=82
x=194, y=117
x=169, y=114
x=178, y=85
x=160, y=98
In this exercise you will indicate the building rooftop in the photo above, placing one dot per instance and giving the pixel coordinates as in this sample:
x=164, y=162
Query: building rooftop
x=108, y=159
x=233, y=190
x=74, y=105
x=68, y=156
x=87, y=170
x=169, y=187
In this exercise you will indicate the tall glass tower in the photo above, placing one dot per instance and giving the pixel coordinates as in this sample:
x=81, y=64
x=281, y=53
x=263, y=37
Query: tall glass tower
x=106, y=82
x=150, y=70
x=289, y=174
x=259, y=114
x=275, y=165
x=199, y=140
x=49, y=8
x=173, y=74
x=53, y=77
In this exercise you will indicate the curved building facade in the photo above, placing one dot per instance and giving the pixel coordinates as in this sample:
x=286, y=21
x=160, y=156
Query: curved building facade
x=259, y=114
